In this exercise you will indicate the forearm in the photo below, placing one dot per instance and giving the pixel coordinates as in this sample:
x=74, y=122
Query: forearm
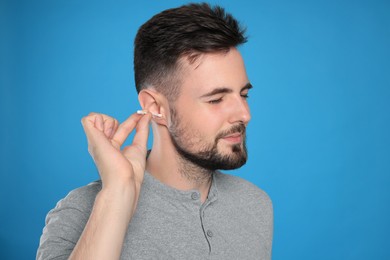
x=106, y=228
x=121, y=172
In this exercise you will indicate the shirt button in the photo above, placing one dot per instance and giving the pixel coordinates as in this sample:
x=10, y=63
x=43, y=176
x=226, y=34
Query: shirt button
x=194, y=196
x=210, y=233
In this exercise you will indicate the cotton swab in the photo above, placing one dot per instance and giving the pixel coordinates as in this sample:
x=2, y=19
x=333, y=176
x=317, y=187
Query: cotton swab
x=144, y=112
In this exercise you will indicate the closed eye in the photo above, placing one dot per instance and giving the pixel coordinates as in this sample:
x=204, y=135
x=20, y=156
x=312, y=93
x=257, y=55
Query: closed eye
x=245, y=90
x=215, y=101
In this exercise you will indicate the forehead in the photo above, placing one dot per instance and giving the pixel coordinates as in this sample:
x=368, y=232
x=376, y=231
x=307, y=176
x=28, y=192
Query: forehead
x=213, y=70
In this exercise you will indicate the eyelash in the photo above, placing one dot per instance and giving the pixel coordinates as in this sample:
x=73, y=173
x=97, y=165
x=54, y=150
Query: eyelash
x=216, y=101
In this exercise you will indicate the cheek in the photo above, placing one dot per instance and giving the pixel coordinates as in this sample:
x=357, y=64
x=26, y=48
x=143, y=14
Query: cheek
x=202, y=121
x=209, y=122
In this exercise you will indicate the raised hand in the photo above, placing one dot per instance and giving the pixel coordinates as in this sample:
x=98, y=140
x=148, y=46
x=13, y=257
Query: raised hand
x=105, y=137
x=122, y=173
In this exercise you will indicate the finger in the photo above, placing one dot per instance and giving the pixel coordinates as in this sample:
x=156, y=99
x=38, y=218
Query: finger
x=125, y=129
x=108, y=126
x=95, y=137
x=114, y=129
x=142, y=132
x=99, y=122
x=136, y=152
x=92, y=121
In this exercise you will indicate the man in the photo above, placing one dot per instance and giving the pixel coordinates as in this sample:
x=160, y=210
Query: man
x=171, y=203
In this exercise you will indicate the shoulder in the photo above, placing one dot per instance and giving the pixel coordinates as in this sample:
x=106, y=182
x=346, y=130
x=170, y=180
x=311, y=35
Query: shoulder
x=235, y=184
x=76, y=206
x=83, y=197
x=249, y=208
x=65, y=223
x=242, y=192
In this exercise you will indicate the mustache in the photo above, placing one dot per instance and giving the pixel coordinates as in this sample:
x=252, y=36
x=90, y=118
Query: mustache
x=241, y=128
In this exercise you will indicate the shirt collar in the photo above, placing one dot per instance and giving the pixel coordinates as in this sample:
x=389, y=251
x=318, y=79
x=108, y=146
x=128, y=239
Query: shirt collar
x=193, y=196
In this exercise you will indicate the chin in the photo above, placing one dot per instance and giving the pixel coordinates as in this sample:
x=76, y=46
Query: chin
x=230, y=166
x=234, y=159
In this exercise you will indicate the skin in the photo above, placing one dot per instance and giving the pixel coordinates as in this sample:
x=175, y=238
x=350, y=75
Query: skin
x=201, y=117
x=210, y=96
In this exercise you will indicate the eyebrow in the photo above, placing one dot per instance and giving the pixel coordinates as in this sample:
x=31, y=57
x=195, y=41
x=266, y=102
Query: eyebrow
x=225, y=90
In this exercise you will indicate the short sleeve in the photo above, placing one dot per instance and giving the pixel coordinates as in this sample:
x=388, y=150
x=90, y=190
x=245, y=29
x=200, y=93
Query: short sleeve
x=65, y=223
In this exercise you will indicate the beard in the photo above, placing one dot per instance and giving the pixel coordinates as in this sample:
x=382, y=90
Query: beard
x=207, y=155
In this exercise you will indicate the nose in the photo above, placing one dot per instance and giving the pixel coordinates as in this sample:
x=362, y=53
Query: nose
x=240, y=111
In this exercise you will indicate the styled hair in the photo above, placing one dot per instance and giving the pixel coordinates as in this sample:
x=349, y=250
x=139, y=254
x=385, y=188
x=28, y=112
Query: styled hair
x=186, y=31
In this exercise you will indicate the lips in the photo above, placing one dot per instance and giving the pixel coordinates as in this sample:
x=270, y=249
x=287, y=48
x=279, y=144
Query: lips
x=233, y=138
x=234, y=135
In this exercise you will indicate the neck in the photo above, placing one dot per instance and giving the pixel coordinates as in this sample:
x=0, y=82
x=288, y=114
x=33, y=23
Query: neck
x=166, y=165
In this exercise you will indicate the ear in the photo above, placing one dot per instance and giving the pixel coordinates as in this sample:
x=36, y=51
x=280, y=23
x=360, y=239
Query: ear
x=155, y=103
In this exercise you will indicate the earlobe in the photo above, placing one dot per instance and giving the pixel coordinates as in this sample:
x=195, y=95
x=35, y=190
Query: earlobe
x=153, y=102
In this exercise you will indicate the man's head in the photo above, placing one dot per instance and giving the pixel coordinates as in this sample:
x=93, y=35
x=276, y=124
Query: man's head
x=189, y=55
x=187, y=31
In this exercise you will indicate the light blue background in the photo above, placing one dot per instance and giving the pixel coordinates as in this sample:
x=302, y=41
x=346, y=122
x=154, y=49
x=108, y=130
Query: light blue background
x=318, y=141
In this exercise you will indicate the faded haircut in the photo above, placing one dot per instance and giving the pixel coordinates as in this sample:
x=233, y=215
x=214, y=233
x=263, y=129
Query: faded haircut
x=186, y=31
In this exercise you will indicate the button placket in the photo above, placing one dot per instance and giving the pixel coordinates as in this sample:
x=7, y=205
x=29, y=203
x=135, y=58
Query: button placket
x=194, y=196
x=207, y=228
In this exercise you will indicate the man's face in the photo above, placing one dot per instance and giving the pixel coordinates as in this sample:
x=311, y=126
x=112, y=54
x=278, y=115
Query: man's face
x=209, y=117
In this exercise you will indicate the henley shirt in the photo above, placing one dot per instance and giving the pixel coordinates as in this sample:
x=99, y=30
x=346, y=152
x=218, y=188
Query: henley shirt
x=235, y=222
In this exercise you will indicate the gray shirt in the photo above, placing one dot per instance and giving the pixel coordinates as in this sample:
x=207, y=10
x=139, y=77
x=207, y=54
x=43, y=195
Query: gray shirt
x=235, y=222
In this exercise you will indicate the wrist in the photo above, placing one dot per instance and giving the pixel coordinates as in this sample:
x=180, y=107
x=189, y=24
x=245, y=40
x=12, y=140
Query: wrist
x=119, y=200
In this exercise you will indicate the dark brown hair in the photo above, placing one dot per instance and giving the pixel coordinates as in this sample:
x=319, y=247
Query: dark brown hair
x=189, y=30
